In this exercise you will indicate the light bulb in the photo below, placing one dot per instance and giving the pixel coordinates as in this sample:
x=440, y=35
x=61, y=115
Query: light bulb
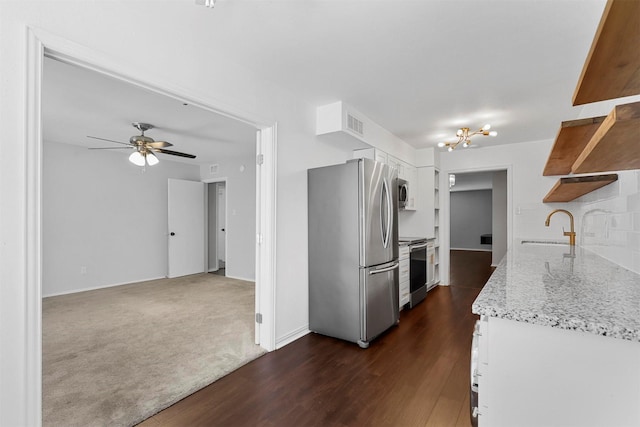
x=450, y=149
x=466, y=144
x=136, y=158
x=152, y=159
x=441, y=144
x=459, y=132
x=486, y=127
x=493, y=133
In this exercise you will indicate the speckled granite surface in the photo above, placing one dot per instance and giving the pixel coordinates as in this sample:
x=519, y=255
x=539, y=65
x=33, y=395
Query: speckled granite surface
x=546, y=285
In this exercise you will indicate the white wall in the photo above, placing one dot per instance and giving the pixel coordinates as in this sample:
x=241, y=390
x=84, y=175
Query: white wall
x=610, y=221
x=499, y=217
x=240, y=177
x=471, y=217
x=104, y=220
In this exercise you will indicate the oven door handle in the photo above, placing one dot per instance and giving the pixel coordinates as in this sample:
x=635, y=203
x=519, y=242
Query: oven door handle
x=420, y=246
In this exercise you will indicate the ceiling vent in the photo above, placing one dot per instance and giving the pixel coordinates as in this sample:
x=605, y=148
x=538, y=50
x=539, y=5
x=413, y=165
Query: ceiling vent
x=355, y=125
x=340, y=118
x=340, y=123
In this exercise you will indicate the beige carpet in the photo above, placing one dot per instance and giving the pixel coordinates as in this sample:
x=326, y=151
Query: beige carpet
x=115, y=356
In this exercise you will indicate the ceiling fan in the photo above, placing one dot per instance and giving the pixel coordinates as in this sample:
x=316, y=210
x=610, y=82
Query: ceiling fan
x=145, y=147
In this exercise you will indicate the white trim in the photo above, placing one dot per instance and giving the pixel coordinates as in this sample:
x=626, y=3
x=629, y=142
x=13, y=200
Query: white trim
x=266, y=140
x=244, y=279
x=33, y=237
x=292, y=336
x=95, y=288
x=40, y=43
x=208, y=181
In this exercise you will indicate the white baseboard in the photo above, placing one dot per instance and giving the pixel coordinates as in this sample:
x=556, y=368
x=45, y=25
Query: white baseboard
x=75, y=291
x=241, y=278
x=292, y=336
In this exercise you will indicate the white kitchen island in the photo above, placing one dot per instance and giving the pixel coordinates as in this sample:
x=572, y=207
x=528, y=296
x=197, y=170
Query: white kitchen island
x=560, y=340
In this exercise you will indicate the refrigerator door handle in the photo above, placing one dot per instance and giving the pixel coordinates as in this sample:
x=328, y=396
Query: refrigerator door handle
x=386, y=231
x=384, y=270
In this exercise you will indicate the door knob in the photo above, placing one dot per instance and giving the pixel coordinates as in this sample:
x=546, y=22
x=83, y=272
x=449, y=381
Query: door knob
x=172, y=233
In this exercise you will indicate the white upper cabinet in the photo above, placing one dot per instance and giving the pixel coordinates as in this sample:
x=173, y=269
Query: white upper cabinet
x=398, y=164
x=371, y=153
x=413, y=186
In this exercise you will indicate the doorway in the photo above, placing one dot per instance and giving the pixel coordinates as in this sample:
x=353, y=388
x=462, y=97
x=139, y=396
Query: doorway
x=478, y=221
x=40, y=43
x=217, y=220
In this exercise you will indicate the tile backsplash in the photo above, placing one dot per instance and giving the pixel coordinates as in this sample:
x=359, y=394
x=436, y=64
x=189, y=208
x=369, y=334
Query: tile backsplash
x=610, y=221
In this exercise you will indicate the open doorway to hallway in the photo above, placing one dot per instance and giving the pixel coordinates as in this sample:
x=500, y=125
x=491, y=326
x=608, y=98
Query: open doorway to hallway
x=217, y=222
x=477, y=224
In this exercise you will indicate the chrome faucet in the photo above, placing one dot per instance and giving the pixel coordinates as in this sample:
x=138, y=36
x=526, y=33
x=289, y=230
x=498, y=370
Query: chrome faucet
x=572, y=233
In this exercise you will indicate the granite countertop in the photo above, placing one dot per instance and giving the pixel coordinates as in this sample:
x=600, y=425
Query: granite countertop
x=553, y=285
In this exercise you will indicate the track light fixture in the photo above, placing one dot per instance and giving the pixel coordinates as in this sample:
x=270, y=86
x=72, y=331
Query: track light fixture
x=464, y=137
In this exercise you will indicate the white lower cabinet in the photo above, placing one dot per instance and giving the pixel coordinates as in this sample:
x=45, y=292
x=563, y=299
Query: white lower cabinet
x=534, y=375
x=404, y=276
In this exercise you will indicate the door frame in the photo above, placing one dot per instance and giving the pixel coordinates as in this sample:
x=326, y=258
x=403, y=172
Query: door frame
x=445, y=220
x=39, y=43
x=209, y=182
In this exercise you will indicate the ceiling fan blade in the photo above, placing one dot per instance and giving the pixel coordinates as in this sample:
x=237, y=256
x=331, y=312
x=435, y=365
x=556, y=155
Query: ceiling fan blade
x=109, y=140
x=159, y=144
x=174, y=153
x=111, y=148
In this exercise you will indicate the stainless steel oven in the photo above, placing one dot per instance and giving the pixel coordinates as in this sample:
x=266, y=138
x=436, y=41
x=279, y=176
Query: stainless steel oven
x=417, y=269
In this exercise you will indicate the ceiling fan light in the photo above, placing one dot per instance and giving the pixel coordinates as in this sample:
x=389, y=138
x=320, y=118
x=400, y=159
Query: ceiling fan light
x=136, y=158
x=152, y=159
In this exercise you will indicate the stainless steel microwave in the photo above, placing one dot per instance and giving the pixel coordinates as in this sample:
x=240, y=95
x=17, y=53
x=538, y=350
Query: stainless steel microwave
x=403, y=193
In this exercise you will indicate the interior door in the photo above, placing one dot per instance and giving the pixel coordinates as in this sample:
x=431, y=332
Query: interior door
x=186, y=226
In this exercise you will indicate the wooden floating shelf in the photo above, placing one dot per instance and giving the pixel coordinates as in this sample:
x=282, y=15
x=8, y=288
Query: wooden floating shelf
x=568, y=189
x=572, y=137
x=615, y=145
x=612, y=68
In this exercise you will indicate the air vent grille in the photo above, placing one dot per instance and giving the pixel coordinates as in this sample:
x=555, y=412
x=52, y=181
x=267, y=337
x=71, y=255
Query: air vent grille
x=355, y=125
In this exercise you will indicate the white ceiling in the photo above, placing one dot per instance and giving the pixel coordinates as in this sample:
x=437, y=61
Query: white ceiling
x=420, y=69
x=77, y=102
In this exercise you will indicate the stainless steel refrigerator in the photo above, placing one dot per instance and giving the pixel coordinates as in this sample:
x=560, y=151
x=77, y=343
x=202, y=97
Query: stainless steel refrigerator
x=353, y=250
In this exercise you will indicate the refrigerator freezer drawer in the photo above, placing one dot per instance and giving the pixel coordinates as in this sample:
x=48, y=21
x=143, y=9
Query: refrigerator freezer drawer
x=379, y=308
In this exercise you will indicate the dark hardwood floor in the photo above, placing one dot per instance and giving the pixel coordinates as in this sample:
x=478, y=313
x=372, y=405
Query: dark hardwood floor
x=470, y=269
x=416, y=374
